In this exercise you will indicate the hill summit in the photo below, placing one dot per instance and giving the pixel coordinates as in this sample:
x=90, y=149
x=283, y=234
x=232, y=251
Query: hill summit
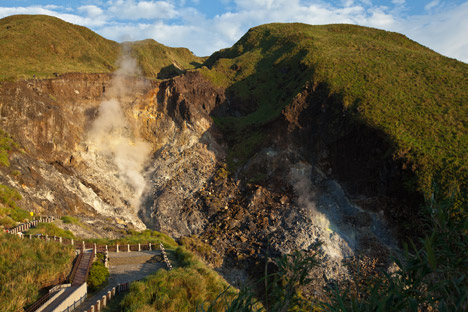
x=40, y=46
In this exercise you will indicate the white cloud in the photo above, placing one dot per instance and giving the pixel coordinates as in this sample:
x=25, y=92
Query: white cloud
x=444, y=32
x=135, y=10
x=91, y=11
x=431, y=5
x=71, y=18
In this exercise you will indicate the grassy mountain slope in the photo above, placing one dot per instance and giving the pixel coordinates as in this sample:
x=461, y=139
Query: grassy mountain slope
x=157, y=60
x=418, y=98
x=43, y=45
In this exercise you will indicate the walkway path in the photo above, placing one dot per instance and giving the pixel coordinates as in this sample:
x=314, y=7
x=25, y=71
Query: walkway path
x=127, y=267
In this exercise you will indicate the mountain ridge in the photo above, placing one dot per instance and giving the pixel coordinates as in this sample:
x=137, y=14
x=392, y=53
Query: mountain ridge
x=43, y=46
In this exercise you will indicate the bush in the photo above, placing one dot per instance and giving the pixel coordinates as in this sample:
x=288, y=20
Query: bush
x=70, y=220
x=98, y=275
x=184, y=288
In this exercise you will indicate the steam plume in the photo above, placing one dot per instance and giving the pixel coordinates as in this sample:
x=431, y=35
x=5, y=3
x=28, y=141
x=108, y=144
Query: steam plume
x=111, y=137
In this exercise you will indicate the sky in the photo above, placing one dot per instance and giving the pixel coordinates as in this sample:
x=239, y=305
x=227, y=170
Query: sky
x=208, y=26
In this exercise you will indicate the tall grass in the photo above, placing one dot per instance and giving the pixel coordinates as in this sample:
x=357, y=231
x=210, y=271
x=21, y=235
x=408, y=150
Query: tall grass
x=27, y=264
x=189, y=285
x=135, y=237
x=50, y=229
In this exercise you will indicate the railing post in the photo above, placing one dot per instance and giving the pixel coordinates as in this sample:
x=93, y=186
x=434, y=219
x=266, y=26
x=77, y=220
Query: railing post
x=92, y=308
x=104, y=301
x=149, y=246
x=84, y=246
x=60, y=240
x=113, y=291
x=117, y=248
x=30, y=236
x=139, y=247
x=98, y=305
x=128, y=247
x=72, y=242
x=46, y=237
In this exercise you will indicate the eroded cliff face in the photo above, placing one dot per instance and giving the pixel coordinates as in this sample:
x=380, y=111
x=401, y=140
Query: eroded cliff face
x=286, y=197
x=58, y=173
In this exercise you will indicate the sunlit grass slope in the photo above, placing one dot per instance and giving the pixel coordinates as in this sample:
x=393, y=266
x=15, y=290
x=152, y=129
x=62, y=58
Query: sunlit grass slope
x=42, y=45
x=418, y=98
x=157, y=60
x=25, y=265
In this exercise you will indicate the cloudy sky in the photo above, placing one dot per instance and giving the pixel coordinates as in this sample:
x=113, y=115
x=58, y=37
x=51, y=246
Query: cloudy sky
x=207, y=26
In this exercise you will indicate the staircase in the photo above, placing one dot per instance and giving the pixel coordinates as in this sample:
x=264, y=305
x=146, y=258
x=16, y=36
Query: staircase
x=81, y=275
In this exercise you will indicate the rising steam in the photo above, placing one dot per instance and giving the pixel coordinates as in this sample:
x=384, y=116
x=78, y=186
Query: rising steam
x=110, y=135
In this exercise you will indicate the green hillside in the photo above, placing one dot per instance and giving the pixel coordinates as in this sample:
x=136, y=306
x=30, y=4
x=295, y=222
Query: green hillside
x=418, y=98
x=157, y=60
x=43, y=45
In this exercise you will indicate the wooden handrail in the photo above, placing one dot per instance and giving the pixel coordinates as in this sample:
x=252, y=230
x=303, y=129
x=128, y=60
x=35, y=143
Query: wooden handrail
x=38, y=303
x=75, y=267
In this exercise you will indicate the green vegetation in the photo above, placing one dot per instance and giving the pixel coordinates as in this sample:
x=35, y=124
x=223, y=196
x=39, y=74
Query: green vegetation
x=185, y=288
x=42, y=45
x=26, y=266
x=157, y=60
x=98, y=274
x=6, y=145
x=10, y=213
x=134, y=237
x=50, y=229
x=282, y=288
x=70, y=220
x=382, y=79
x=39, y=45
x=202, y=250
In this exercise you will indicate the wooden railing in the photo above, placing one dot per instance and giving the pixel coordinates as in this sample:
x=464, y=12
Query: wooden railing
x=38, y=303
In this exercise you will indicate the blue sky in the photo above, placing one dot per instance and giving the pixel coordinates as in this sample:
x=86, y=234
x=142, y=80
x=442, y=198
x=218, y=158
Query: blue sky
x=207, y=26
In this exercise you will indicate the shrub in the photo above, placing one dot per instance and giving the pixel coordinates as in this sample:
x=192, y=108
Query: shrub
x=98, y=275
x=184, y=288
x=70, y=220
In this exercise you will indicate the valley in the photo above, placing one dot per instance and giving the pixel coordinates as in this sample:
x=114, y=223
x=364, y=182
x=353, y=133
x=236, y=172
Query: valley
x=287, y=141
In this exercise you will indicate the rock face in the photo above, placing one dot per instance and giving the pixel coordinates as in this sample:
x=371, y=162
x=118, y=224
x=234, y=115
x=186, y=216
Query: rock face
x=50, y=119
x=286, y=197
